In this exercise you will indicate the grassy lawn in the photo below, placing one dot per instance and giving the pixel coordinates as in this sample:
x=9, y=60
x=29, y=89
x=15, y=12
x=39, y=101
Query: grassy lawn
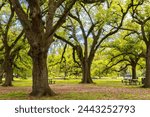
x=103, y=89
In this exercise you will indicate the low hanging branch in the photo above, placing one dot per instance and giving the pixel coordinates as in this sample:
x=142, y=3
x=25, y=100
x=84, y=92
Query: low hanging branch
x=62, y=56
x=63, y=39
x=17, y=39
x=122, y=68
x=71, y=44
x=76, y=48
x=130, y=61
x=109, y=67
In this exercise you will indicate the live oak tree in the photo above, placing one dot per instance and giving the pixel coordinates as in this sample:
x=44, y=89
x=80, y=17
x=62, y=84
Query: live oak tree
x=38, y=20
x=9, y=41
x=125, y=52
x=88, y=27
x=141, y=17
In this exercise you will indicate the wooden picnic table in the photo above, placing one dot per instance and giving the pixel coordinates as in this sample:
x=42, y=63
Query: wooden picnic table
x=131, y=82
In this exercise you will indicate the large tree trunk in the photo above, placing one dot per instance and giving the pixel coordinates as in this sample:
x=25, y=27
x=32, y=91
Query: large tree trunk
x=40, y=86
x=147, y=79
x=86, y=73
x=134, y=72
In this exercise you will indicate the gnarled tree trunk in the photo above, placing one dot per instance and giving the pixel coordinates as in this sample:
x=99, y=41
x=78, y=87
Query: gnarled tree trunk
x=39, y=33
x=147, y=79
x=86, y=72
x=40, y=86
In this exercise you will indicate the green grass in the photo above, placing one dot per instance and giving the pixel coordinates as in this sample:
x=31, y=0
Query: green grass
x=22, y=82
x=15, y=95
x=76, y=96
x=101, y=83
x=28, y=82
x=72, y=81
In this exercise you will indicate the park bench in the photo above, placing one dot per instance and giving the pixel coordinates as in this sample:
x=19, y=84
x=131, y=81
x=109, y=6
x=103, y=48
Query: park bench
x=129, y=81
x=51, y=81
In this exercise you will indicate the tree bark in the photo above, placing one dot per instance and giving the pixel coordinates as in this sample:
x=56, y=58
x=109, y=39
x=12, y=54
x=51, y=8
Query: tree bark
x=147, y=79
x=1, y=76
x=8, y=69
x=134, y=72
x=86, y=73
x=39, y=35
x=40, y=86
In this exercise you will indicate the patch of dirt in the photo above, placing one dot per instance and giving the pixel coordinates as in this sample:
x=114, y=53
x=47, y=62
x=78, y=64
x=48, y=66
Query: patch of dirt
x=5, y=90
x=66, y=88
x=98, y=89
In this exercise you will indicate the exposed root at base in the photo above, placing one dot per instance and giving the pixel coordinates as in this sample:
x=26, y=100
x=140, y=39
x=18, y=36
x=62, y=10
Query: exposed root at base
x=42, y=93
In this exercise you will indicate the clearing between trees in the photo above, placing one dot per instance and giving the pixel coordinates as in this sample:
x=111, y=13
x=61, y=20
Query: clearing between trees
x=71, y=90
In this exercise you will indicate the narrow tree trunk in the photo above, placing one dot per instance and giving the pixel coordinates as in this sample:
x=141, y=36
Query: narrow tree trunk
x=1, y=77
x=8, y=73
x=40, y=86
x=147, y=79
x=134, y=72
x=99, y=74
x=65, y=75
x=86, y=73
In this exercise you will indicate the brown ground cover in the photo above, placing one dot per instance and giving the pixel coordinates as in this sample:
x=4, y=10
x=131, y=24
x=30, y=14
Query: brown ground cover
x=63, y=89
